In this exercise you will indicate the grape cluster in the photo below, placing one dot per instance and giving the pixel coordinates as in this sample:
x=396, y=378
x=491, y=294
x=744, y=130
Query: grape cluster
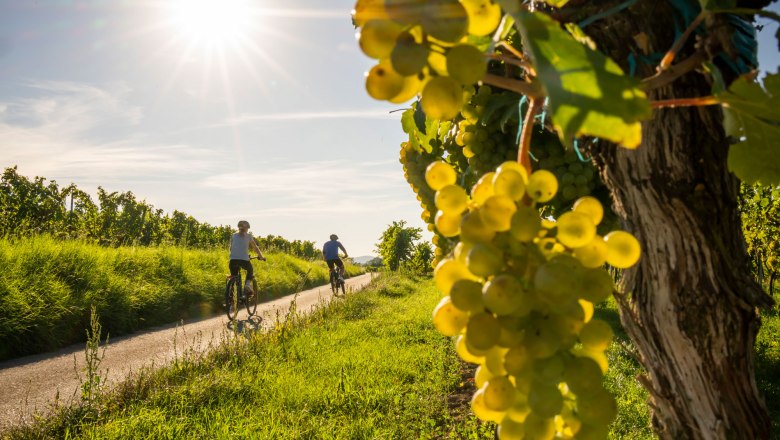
x=421, y=47
x=484, y=141
x=519, y=293
x=578, y=178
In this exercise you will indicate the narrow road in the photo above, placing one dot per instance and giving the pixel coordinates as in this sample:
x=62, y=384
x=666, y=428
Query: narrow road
x=31, y=384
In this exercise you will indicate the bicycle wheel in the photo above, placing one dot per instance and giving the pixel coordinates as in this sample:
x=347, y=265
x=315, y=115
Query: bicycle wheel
x=343, y=287
x=231, y=299
x=251, y=299
x=334, y=283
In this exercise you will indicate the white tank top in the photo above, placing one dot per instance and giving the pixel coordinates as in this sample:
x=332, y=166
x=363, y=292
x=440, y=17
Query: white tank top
x=239, y=246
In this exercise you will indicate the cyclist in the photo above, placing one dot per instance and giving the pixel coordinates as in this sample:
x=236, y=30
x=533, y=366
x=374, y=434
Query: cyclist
x=240, y=242
x=330, y=252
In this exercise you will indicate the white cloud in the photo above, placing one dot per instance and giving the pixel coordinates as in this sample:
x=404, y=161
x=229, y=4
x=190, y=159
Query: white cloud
x=65, y=128
x=248, y=118
x=325, y=187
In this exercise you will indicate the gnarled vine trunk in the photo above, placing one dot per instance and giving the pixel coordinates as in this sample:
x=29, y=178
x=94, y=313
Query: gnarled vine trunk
x=690, y=303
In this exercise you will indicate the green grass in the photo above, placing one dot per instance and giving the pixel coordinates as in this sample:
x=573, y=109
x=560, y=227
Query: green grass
x=47, y=288
x=368, y=367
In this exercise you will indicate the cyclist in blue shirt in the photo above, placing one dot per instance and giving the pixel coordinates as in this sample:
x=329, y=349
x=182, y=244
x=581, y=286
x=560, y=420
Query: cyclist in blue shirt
x=330, y=252
x=240, y=242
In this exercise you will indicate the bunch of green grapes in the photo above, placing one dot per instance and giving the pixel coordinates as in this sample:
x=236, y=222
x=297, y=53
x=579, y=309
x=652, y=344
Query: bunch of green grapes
x=519, y=293
x=485, y=143
x=422, y=47
x=577, y=178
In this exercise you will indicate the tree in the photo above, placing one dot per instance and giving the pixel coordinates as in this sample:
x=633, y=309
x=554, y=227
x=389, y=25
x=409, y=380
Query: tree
x=396, y=244
x=420, y=261
x=690, y=304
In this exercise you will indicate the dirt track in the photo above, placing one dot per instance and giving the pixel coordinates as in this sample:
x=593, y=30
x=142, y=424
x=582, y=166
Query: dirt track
x=30, y=384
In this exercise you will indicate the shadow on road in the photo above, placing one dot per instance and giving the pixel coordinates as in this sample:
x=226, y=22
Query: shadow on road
x=251, y=324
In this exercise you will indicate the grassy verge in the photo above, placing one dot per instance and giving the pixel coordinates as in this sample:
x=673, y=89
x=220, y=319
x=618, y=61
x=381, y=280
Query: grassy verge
x=47, y=288
x=368, y=367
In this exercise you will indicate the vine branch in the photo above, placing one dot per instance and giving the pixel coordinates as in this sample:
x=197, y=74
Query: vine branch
x=671, y=73
x=669, y=57
x=531, y=90
x=685, y=102
x=524, y=149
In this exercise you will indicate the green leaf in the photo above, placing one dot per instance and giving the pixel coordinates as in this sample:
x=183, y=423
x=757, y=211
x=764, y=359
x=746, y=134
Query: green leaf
x=556, y=3
x=752, y=116
x=589, y=94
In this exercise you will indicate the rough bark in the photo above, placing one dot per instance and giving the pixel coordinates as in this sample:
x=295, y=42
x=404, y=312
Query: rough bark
x=690, y=303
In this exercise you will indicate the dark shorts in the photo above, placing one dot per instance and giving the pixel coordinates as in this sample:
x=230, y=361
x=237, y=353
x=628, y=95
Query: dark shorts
x=235, y=265
x=336, y=261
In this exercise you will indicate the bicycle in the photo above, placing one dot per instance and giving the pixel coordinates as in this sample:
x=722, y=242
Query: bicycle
x=236, y=296
x=337, y=282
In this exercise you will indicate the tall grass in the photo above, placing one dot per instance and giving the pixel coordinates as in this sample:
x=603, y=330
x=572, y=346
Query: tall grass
x=47, y=287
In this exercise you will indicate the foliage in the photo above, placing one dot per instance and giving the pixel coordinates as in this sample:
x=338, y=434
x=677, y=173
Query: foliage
x=30, y=207
x=396, y=245
x=760, y=209
x=48, y=286
x=421, y=259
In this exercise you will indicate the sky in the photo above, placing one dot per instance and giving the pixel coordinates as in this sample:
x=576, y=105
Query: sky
x=258, y=115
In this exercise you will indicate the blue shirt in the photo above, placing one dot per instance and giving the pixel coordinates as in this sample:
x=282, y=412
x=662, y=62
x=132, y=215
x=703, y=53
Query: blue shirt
x=331, y=249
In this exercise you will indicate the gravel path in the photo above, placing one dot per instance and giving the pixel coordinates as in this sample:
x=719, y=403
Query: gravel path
x=31, y=384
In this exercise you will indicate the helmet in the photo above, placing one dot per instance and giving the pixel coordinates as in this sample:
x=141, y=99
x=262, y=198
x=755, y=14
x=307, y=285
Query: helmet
x=243, y=222
x=334, y=237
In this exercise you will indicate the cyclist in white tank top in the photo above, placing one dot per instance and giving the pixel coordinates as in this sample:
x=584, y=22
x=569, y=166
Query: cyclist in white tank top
x=240, y=242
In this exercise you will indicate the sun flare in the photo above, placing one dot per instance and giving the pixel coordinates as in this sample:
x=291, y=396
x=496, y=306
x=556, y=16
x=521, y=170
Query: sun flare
x=211, y=22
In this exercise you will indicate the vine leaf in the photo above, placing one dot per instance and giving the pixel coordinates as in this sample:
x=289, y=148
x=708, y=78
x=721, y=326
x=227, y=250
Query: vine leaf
x=752, y=117
x=589, y=94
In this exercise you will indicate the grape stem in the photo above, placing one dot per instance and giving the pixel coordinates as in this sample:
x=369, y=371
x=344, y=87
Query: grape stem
x=531, y=90
x=512, y=60
x=685, y=102
x=670, y=74
x=669, y=57
x=526, y=63
x=524, y=149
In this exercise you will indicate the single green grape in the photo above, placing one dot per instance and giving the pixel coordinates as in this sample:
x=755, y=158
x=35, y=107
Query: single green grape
x=499, y=393
x=483, y=412
x=467, y=295
x=465, y=353
x=451, y=199
x=448, y=319
x=484, y=16
x=582, y=375
x=517, y=360
x=483, y=189
x=439, y=174
x=525, y=224
x=378, y=37
x=623, y=249
x=503, y=294
x=448, y=225
x=484, y=260
x=445, y=20
x=595, y=285
x=408, y=57
x=382, y=82
x=447, y=272
x=538, y=427
x=473, y=230
x=590, y=206
x=482, y=375
x=366, y=10
x=597, y=409
x=410, y=89
x=441, y=98
x=482, y=331
x=511, y=430
x=542, y=186
x=467, y=64
x=596, y=335
x=593, y=254
x=497, y=212
x=510, y=183
x=494, y=360
x=545, y=399
x=575, y=229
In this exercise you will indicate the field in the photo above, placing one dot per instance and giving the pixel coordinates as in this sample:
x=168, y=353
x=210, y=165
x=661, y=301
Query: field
x=48, y=286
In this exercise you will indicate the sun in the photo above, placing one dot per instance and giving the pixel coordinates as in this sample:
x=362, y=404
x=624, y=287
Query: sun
x=214, y=23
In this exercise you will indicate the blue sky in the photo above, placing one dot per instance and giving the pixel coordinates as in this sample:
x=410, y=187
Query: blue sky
x=273, y=126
